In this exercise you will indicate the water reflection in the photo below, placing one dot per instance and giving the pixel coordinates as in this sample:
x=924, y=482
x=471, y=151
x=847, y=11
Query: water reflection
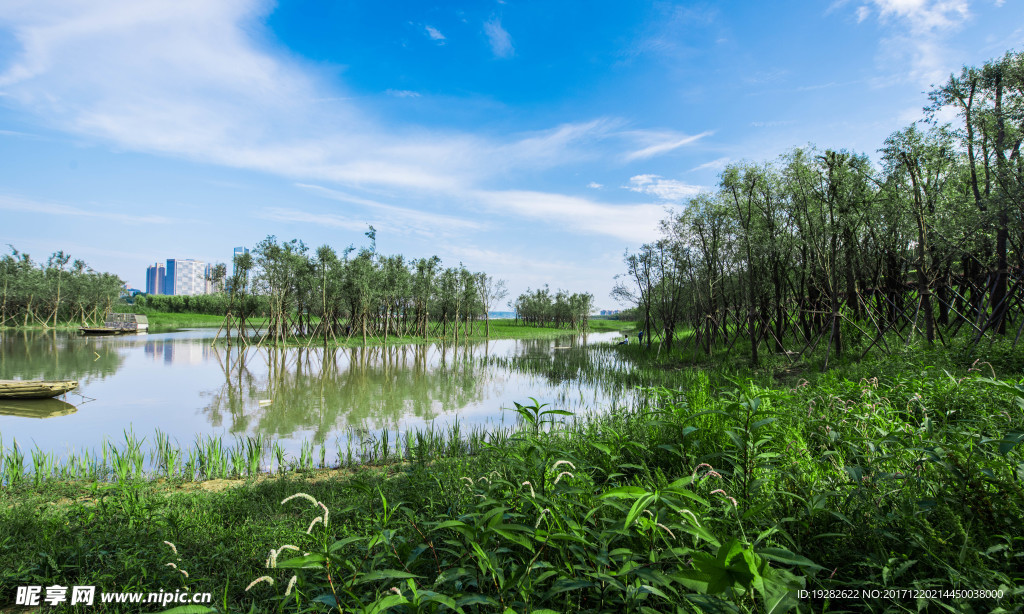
x=170, y=351
x=36, y=408
x=184, y=385
x=53, y=355
x=340, y=389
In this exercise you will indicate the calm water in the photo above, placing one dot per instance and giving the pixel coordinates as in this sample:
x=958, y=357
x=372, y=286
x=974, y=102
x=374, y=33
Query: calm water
x=184, y=385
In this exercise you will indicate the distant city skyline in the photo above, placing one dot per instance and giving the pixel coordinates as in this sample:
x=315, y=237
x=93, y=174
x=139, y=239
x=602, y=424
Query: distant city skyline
x=183, y=276
x=536, y=142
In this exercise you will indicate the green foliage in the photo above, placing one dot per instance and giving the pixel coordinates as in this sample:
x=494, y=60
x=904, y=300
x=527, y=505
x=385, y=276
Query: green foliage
x=539, y=308
x=54, y=294
x=823, y=248
x=717, y=493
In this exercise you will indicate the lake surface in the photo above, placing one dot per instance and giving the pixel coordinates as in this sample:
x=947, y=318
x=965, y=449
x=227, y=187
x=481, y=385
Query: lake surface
x=184, y=385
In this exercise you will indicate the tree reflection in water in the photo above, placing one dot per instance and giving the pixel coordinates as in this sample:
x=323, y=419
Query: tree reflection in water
x=342, y=389
x=54, y=355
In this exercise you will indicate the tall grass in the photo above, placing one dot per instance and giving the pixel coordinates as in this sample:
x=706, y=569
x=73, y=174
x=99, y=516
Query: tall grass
x=711, y=495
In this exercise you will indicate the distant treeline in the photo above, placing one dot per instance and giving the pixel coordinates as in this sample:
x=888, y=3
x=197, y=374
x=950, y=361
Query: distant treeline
x=212, y=304
x=540, y=308
x=322, y=294
x=60, y=291
x=821, y=246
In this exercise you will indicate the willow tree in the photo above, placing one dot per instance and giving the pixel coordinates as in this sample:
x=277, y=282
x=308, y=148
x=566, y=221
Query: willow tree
x=491, y=291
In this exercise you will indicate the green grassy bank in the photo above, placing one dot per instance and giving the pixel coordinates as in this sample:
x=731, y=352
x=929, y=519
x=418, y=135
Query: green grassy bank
x=168, y=321
x=901, y=475
x=499, y=329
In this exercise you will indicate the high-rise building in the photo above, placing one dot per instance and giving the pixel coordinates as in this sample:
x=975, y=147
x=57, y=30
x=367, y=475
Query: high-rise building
x=155, y=276
x=237, y=252
x=212, y=286
x=185, y=277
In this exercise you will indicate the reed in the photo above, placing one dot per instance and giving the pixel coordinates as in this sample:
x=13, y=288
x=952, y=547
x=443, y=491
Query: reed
x=306, y=456
x=42, y=466
x=255, y=448
x=279, y=455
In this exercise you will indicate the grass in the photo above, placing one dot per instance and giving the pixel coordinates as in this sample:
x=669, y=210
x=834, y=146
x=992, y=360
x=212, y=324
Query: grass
x=720, y=493
x=500, y=329
x=719, y=488
x=159, y=321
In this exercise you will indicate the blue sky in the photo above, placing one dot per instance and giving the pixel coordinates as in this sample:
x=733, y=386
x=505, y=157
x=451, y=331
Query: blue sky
x=536, y=141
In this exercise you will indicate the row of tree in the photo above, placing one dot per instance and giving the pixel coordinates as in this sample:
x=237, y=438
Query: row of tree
x=321, y=294
x=58, y=292
x=218, y=303
x=792, y=252
x=563, y=310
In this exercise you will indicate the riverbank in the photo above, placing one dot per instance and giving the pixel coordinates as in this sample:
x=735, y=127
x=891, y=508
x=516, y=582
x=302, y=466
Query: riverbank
x=499, y=329
x=159, y=321
x=732, y=491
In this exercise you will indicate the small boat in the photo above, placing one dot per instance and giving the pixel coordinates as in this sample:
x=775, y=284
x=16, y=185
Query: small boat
x=119, y=324
x=103, y=330
x=34, y=389
x=36, y=408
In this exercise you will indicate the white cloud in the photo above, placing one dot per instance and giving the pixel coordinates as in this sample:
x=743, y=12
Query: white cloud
x=665, y=189
x=715, y=165
x=595, y=185
x=402, y=93
x=331, y=220
x=499, y=39
x=637, y=223
x=195, y=80
x=657, y=143
x=920, y=27
x=188, y=78
x=555, y=146
x=434, y=33
x=514, y=261
x=772, y=124
x=24, y=205
x=836, y=4
x=533, y=269
x=402, y=218
x=925, y=15
x=863, y=13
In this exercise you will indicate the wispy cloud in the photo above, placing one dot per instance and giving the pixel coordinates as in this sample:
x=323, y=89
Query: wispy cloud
x=773, y=124
x=716, y=165
x=671, y=33
x=555, y=146
x=925, y=15
x=435, y=34
x=636, y=223
x=23, y=135
x=657, y=143
x=665, y=189
x=189, y=79
x=499, y=39
x=402, y=93
x=24, y=205
x=593, y=185
x=330, y=220
x=534, y=269
x=401, y=218
x=919, y=29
